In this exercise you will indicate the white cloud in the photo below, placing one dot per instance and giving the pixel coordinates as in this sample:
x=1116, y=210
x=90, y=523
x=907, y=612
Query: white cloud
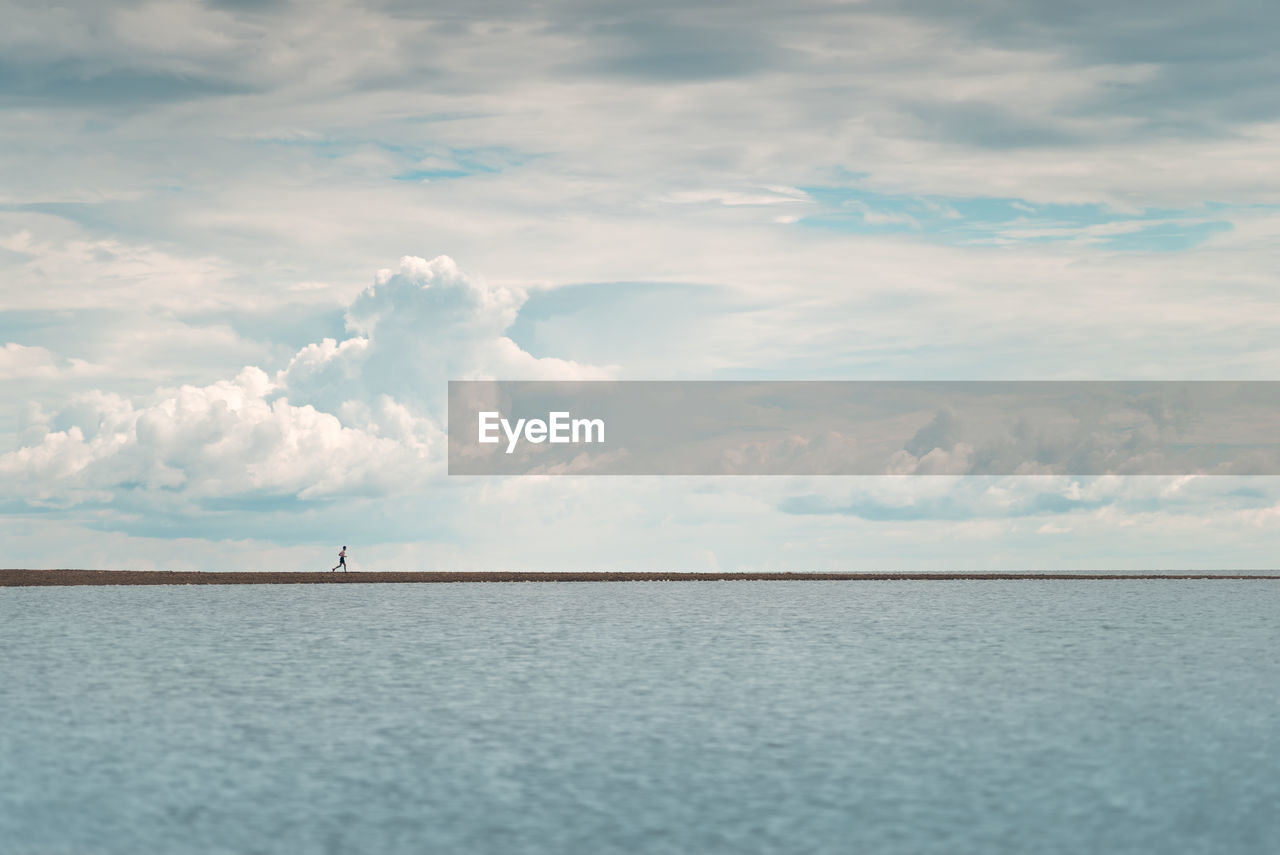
x=362, y=416
x=18, y=362
x=70, y=273
x=231, y=438
x=754, y=196
x=416, y=328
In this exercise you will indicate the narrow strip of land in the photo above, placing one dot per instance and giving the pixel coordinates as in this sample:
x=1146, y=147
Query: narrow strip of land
x=34, y=578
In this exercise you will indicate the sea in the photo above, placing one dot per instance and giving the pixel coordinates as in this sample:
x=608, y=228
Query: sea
x=1112, y=716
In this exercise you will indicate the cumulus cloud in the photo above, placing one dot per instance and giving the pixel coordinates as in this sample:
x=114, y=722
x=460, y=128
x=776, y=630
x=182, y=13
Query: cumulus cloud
x=430, y=322
x=415, y=328
x=362, y=416
x=230, y=438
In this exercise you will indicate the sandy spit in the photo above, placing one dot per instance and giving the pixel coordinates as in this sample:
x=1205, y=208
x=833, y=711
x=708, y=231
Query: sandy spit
x=29, y=578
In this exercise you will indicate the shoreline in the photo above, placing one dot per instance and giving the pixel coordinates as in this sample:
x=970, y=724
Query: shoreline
x=17, y=578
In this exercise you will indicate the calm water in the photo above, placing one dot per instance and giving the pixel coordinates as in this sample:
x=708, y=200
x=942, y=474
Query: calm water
x=912, y=717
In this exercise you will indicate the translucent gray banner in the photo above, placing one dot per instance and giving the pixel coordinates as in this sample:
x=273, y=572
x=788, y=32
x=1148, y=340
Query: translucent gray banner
x=863, y=428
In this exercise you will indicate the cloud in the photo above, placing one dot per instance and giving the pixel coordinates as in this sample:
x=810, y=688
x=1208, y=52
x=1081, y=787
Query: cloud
x=362, y=416
x=829, y=452
x=417, y=328
x=984, y=125
x=1208, y=64
x=231, y=438
x=195, y=187
x=661, y=51
x=111, y=273
x=18, y=362
x=1058, y=499
x=77, y=86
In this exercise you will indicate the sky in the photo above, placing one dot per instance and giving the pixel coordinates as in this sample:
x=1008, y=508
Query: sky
x=244, y=246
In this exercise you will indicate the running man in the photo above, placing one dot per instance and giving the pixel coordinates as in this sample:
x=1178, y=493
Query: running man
x=342, y=561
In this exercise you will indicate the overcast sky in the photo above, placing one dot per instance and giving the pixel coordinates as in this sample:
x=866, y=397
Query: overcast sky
x=244, y=244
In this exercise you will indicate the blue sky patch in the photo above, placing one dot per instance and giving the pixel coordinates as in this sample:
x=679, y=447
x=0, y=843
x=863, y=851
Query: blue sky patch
x=1004, y=220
